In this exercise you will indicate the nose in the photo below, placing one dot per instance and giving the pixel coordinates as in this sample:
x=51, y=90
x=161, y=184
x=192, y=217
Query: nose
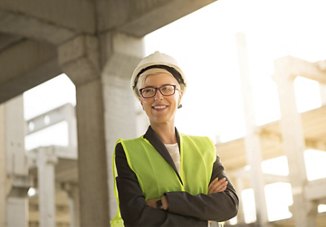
x=158, y=95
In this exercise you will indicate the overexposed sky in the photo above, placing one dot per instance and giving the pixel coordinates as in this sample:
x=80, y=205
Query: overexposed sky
x=205, y=44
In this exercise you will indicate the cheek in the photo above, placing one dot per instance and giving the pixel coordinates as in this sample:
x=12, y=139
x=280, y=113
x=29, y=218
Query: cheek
x=145, y=103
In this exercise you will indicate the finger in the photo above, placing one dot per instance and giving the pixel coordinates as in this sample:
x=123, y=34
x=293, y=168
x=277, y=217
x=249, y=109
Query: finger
x=218, y=187
x=212, y=184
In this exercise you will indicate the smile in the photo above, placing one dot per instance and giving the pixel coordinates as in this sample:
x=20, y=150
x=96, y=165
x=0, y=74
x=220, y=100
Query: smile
x=159, y=107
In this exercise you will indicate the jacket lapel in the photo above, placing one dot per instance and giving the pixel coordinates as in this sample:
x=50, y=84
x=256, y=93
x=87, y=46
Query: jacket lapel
x=152, y=137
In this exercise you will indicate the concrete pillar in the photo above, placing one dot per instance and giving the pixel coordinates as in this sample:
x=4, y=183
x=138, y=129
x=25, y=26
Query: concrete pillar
x=100, y=67
x=3, y=172
x=73, y=194
x=122, y=117
x=46, y=160
x=16, y=166
x=293, y=143
x=252, y=141
x=240, y=188
x=17, y=210
x=80, y=60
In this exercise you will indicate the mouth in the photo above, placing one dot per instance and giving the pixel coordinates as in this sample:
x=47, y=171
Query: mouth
x=159, y=107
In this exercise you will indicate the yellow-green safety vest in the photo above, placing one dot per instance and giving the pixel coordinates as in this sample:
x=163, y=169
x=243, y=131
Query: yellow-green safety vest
x=156, y=176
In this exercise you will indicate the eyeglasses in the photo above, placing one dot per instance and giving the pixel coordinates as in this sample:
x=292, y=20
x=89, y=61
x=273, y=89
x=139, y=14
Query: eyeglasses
x=165, y=90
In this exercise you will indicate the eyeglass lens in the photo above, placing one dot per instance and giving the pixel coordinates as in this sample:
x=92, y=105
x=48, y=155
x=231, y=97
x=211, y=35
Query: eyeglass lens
x=166, y=90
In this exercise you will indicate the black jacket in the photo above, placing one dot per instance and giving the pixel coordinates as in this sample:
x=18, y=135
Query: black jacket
x=184, y=209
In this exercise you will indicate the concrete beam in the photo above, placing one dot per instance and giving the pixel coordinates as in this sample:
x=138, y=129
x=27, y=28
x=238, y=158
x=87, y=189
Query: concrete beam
x=79, y=58
x=142, y=17
x=6, y=40
x=74, y=15
x=52, y=117
x=293, y=67
x=33, y=28
x=315, y=190
x=25, y=65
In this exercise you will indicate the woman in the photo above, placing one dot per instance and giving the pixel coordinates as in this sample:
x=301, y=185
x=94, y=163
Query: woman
x=165, y=178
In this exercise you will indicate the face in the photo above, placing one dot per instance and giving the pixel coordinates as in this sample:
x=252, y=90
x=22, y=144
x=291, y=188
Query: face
x=161, y=109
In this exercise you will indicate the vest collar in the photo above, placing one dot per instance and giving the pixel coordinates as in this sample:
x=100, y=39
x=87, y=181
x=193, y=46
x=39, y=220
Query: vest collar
x=153, y=138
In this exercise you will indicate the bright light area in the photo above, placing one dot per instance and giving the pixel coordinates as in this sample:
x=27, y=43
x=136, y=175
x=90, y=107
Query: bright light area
x=247, y=200
x=54, y=135
x=49, y=95
x=315, y=164
x=268, y=166
x=205, y=44
x=322, y=208
x=31, y=192
x=43, y=98
x=278, y=200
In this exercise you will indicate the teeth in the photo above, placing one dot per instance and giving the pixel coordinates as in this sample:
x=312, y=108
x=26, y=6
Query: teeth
x=159, y=107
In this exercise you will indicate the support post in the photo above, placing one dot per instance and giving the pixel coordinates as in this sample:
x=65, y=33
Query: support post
x=293, y=142
x=46, y=160
x=16, y=179
x=252, y=141
x=80, y=60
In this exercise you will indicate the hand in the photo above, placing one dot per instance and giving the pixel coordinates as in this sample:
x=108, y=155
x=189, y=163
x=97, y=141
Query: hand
x=217, y=185
x=152, y=203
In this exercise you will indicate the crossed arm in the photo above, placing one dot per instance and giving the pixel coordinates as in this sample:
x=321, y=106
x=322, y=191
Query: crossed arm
x=217, y=185
x=180, y=208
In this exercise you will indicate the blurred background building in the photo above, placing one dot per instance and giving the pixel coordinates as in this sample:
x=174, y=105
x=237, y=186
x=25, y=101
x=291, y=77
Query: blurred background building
x=257, y=79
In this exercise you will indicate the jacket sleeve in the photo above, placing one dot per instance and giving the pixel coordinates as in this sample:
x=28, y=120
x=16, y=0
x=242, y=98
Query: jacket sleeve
x=219, y=206
x=133, y=207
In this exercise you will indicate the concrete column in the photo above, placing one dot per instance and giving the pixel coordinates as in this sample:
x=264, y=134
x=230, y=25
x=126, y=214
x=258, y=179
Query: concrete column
x=17, y=210
x=240, y=188
x=293, y=143
x=252, y=141
x=3, y=174
x=100, y=67
x=73, y=203
x=79, y=59
x=16, y=164
x=46, y=160
x=122, y=117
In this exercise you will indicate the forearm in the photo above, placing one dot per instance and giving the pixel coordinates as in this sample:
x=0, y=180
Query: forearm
x=220, y=205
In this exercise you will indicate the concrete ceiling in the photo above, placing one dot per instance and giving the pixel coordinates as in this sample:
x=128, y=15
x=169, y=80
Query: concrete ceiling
x=31, y=31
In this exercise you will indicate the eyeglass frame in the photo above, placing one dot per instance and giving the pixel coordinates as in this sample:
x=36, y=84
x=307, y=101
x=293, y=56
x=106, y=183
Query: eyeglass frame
x=159, y=88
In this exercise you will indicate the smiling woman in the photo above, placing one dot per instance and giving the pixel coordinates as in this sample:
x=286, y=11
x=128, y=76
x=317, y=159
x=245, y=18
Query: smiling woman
x=166, y=158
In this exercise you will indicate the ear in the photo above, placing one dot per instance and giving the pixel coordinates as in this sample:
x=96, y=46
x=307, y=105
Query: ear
x=180, y=99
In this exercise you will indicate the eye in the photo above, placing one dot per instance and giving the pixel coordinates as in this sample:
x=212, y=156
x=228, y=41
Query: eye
x=167, y=89
x=148, y=90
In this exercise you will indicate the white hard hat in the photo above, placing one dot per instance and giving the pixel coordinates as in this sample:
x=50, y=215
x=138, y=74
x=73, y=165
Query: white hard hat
x=161, y=61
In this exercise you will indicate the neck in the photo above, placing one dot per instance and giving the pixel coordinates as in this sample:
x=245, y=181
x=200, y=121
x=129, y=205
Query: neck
x=166, y=133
